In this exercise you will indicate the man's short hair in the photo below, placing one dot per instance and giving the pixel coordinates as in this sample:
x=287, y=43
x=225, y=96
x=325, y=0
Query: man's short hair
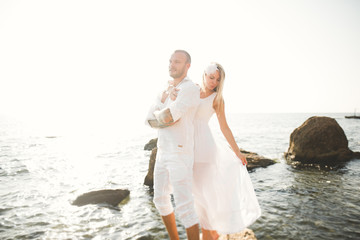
x=188, y=57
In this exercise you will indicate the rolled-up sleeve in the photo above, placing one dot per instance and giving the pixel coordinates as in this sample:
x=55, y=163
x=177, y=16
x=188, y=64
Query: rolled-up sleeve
x=157, y=105
x=187, y=98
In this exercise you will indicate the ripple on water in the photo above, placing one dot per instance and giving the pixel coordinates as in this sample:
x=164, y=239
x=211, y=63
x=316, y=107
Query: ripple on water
x=307, y=203
x=12, y=167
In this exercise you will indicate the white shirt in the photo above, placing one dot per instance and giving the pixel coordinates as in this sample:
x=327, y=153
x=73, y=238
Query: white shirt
x=179, y=138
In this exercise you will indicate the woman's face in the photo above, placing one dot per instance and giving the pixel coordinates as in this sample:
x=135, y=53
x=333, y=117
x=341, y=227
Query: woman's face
x=212, y=80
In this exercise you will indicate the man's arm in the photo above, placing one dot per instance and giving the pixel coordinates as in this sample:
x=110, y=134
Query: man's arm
x=158, y=105
x=187, y=98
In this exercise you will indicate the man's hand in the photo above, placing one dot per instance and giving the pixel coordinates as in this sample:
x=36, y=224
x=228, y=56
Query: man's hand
x=166, y=93
x=173, y=93
x=164, y=116
x=154, y=123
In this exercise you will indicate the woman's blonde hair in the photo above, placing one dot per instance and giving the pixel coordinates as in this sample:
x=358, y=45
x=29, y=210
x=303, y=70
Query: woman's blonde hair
x=219, y=100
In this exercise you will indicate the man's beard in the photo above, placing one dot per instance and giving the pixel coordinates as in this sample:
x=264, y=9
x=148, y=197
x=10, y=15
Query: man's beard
x=177, y=74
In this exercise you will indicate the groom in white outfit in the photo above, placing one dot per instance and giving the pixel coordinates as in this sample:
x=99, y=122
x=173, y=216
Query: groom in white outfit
x=175, y=156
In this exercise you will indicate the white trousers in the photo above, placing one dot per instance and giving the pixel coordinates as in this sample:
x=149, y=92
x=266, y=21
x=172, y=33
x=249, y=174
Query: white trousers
x=173, y=174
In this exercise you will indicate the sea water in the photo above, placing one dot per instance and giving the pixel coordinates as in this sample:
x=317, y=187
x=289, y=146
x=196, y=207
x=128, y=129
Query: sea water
x=41, y=173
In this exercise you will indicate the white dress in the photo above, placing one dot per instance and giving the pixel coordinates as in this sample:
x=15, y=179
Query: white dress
x=225, y=200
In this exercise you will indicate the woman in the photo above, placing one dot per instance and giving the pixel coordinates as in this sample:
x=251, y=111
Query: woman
x=225, y=200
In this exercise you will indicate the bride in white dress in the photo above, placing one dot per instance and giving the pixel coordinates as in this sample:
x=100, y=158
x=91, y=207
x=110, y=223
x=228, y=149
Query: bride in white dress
x=225, y=200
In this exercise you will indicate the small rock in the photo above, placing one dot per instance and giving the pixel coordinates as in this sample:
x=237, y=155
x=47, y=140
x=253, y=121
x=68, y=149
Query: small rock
x=255, y=160
x=151, y=144
x=246, y=234
x=112, y=197
x=149, y=179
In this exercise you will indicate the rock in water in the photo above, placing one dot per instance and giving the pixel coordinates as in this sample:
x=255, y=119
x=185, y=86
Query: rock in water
x=319, y=140
x=149, y=179
x=151, y=144
x=255, y=160
x=246, y=234
x=112, y=197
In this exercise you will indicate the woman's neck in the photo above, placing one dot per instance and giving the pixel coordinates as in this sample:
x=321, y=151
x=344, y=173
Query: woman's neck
x=206, y=92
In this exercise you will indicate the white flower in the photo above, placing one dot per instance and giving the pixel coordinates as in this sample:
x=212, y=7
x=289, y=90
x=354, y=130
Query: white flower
x=211, y=68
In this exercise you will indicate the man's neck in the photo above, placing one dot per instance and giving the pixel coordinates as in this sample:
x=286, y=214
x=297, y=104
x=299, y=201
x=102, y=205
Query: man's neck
x=178, y=80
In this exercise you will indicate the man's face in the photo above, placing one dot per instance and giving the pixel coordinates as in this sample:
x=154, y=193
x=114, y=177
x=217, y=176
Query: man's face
x=177, y=65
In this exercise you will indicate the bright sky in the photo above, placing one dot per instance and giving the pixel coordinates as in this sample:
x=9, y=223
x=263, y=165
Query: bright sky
x=95, y=62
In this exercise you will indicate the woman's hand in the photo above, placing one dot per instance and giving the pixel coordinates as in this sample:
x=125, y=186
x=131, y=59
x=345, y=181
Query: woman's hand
x=242, y=157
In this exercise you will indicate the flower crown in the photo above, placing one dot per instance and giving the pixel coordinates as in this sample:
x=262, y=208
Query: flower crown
x=211, y=68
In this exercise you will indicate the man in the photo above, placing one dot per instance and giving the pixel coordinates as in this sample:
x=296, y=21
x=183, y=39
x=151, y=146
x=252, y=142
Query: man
x=175, y=156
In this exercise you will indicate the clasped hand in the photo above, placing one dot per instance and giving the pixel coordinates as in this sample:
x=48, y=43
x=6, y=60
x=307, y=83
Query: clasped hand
x=171, y=92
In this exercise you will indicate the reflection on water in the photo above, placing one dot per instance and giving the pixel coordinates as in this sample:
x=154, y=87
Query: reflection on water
x=309, y=204
x=41, y=175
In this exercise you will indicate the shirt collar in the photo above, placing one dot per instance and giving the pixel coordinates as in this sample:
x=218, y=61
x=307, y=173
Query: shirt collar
x=182, y=81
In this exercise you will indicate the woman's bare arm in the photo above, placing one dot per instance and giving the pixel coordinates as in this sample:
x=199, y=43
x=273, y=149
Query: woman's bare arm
x=226, y=131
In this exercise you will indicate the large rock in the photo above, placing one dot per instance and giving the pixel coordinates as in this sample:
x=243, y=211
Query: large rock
x=112, y=197
x=254, y=161
x=246, y=234
x=319, y=140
